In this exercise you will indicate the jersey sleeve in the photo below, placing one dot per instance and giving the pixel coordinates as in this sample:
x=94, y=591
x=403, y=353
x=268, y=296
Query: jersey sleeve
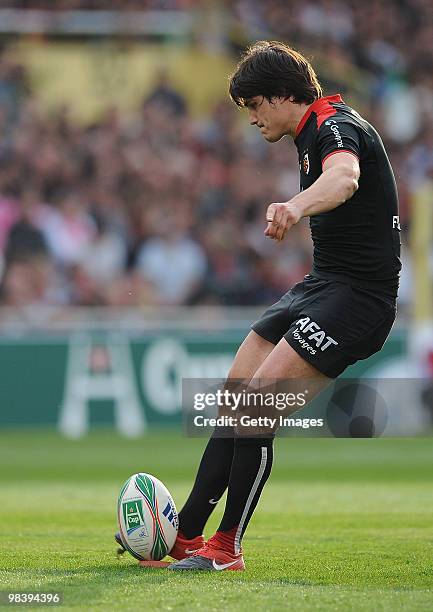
x=336, y=136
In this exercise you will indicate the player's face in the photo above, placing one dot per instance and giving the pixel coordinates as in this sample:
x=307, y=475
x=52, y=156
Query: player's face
x=272, y=118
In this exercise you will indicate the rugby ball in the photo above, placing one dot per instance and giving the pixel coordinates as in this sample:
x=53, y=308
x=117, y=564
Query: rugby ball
x=147, y=517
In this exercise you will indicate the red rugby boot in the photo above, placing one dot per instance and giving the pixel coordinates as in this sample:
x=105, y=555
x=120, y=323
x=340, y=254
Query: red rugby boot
x=212, y=557
x=184, y=548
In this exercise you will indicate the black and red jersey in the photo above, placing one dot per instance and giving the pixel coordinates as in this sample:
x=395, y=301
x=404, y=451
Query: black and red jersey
x=360, y=239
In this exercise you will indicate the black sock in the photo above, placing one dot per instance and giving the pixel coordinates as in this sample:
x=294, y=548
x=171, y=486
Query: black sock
x=252, y=463
x=210, y=483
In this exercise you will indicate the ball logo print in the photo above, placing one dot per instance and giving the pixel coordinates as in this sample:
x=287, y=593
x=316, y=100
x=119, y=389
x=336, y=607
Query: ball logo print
x=170, y=513
x=133, y=515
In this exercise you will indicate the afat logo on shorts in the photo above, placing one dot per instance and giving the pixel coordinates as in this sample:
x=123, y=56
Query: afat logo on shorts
x=133, y=515
x=317, y=335
x=306, y=163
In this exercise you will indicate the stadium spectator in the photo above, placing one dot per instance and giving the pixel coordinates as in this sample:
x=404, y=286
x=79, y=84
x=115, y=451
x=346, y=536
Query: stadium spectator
x=172, y=262
x=165, y=95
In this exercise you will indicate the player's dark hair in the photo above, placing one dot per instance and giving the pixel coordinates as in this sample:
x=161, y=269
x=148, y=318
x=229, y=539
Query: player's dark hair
x=273, y=69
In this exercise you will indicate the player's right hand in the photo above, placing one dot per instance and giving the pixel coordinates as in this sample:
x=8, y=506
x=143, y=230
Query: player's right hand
x=281, y=216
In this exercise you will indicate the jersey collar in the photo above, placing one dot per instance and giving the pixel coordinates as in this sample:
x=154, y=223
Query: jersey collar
x=317, y=107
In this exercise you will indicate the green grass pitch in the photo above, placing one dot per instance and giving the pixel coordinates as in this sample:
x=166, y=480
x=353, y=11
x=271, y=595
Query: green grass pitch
x=342, y=525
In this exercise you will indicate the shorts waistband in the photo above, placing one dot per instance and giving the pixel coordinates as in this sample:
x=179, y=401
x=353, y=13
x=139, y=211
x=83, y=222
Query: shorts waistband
x=385, y=288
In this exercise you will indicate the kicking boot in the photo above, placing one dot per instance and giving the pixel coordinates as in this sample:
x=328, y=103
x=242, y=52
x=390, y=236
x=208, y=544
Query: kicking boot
x=212, y=557
x=184, y=548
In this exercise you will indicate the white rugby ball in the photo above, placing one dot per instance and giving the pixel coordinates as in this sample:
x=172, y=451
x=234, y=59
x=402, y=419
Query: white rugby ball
x=147, y=517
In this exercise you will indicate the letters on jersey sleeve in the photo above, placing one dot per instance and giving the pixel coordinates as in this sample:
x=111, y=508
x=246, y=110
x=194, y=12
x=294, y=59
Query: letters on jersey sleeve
x=336, y=136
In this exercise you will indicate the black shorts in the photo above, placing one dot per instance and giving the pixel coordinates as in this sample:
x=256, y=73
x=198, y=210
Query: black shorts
x=330, y=323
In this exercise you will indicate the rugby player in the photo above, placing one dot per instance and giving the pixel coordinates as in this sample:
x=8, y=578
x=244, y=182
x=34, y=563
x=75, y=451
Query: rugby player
x=338, y=314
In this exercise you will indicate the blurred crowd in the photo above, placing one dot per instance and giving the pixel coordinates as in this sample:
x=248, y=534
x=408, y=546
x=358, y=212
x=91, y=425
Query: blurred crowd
x=157, y=207
x=112, y=5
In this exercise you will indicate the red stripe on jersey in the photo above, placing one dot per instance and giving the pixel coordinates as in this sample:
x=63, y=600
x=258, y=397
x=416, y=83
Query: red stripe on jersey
x=323, y=109
x=339, y=151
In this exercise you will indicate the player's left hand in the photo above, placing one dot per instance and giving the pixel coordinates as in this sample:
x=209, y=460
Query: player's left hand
x=281, y=216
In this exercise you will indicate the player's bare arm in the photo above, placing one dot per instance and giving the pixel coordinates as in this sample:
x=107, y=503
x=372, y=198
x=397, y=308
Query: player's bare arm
x=335, y=186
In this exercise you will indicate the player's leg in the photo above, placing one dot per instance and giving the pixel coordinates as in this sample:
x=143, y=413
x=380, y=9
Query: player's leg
x=214, y=469
x=251, y=466
x=326, y=323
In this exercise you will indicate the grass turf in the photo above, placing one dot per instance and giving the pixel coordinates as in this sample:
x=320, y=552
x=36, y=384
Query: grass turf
x=342, y=525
